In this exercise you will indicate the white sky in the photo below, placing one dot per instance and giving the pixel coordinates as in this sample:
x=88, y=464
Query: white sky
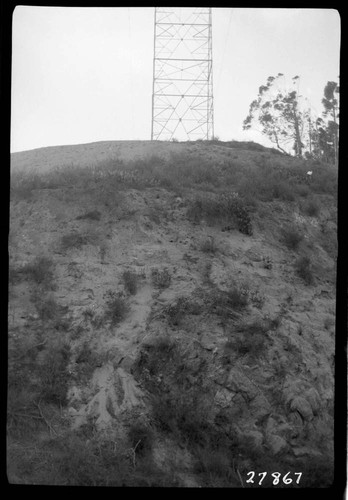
x=83, y=75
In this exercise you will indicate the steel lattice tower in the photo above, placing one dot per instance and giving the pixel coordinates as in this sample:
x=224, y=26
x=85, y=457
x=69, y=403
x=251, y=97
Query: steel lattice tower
x=182, y=96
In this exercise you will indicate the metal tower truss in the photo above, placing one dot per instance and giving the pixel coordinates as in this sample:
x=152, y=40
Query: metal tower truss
x=182, y=98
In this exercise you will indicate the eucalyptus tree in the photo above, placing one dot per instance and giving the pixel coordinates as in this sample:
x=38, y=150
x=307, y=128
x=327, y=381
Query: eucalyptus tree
x=330, y=102
x=280, y=112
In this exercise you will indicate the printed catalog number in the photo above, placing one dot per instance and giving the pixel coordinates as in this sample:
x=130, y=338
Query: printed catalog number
x=277, y=477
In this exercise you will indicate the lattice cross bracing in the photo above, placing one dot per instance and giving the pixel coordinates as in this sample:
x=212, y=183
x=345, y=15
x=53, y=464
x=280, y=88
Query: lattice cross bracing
x=182, y=100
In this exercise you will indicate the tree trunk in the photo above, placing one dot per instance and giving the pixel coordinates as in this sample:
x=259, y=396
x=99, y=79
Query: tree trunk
x=335, y=138
x=298, y=142
x=277, y=143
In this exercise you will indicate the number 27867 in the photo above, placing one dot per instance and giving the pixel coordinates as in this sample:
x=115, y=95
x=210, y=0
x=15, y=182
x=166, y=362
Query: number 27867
x=277, y=477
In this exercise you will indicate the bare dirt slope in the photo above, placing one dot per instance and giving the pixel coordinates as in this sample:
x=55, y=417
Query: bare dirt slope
x=139, y=310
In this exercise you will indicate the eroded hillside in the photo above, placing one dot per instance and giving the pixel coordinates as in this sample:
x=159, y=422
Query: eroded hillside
x=171, y=316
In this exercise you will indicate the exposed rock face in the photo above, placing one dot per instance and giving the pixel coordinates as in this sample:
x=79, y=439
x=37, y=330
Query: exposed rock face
x=115, y=392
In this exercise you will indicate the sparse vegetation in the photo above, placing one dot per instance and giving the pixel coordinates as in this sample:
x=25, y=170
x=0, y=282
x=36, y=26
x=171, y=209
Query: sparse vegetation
x=47, y=307
x=226, y=209
x=184, y=415
x=74, y=270
x=141, y=438
x=116, y=308
x=130, y=280
x=93, y=215
x=267, y=262
x=257, y=298
x=154, y=356
x=303, y=267
x=70, y=460
x=228, y=303
x=177, y=311
x=50, y=311
x=248, y=339
x=291, y=237
x=215, y=468
x=161, y=278
x=54, y=376
x=37, y=376
x=209, y=246
x=303, y=191
x=73, y=240
x=14, y=275
x=87, y=360
x=310, y=207
x=329, y=323
x=40, y=271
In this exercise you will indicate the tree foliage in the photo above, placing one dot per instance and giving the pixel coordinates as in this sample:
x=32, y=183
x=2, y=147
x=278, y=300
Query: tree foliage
x=278, y=111
x=330, y=102
x=287, y=119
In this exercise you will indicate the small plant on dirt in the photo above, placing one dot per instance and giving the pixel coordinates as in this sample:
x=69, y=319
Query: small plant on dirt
x=267, y=262
x=214, y=464
x=226, y=208
x=47, y=308
x=61, y=324
x=161, y=278
x=300, y=330
x=141, y=273
x=238, y=209
x=329, y=322
x=209, y=245
x=272, y=324
x=303, y=268
x=14, y=275
x=311, y=208
x=141, y=438
x=183, y=416
x=206, y=272
x=102, y=253
x=98, y=321
x=130, y=281
x=116, y=307
x=77, y=332
x=41, y=271
x=88, y=314
x=303, y=191
x=257, y=298
x=93, y=215
x=74, y=270
x=248, y=339
x=176, y=312
x=163, y=345
x=227, y=303
x=24, y=184
x=88, y=360
x=291, y=347
x=73, y=240
x=155, y=357
x=291, y=237
x=53, y=372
